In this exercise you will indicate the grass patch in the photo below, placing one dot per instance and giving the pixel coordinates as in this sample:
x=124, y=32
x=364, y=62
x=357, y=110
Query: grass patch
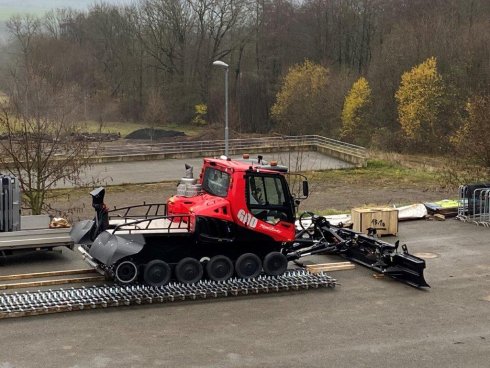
x=380, y=172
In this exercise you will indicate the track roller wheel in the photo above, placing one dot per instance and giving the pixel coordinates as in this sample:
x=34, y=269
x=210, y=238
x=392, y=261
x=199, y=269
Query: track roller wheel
x=275, y=264
x=188, y=270
x=126, y=272
x=248, y=265
x=219, y=268
x=157, y=273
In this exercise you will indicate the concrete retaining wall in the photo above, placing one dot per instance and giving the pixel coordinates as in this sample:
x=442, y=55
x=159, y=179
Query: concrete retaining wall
x=336, y=152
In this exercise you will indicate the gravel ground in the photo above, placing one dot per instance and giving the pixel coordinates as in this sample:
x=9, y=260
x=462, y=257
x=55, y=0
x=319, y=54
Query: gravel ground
x=323, y=195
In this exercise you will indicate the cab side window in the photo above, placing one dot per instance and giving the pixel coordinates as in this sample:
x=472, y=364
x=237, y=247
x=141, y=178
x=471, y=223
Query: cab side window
x=274, y=190
x=266, y=199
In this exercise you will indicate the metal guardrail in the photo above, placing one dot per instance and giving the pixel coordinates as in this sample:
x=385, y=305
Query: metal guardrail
x=235, y=145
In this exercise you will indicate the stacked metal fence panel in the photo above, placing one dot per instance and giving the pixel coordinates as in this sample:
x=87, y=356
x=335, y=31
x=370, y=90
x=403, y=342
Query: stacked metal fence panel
x=474, y=204
x=9, y=204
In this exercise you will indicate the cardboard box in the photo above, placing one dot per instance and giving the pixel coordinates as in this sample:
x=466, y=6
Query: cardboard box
x=383, y=219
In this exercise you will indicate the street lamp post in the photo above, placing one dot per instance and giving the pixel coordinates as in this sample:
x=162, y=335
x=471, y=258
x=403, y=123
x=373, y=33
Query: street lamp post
x=225, y=66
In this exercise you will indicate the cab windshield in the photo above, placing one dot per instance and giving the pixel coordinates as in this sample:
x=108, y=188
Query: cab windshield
x=216, y=182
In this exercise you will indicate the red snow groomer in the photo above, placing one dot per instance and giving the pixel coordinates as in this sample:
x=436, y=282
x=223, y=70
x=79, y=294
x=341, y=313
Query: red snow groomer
x=238, y=219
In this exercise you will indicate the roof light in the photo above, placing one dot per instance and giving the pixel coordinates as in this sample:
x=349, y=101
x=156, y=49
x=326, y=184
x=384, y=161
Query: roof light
x=245, y=156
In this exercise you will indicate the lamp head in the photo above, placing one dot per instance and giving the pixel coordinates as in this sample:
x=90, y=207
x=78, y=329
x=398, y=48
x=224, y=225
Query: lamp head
x=220, y=64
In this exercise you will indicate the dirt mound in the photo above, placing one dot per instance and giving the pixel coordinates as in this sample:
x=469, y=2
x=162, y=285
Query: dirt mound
x=148, y=133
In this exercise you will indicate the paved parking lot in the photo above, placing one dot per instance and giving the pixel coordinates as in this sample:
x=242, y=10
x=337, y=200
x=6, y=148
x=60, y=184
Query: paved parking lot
x=365, y=322
x=135, y=172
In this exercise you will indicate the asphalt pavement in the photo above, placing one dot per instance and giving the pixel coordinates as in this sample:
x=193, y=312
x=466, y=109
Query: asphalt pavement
x=365, y=322
x=135, y=172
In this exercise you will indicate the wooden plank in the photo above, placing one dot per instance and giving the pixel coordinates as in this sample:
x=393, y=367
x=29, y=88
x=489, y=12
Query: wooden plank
x=439, y=217
x=328, y=264
x=332, y=268
x=329, y=267
x=35, y=275
x=74, y=280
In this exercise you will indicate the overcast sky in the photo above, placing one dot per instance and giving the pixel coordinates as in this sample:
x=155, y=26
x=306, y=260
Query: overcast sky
x=10, y=7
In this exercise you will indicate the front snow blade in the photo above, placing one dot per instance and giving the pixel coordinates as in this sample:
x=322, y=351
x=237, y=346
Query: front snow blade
x=408, y=269
x=401, y=266
x=384, y=258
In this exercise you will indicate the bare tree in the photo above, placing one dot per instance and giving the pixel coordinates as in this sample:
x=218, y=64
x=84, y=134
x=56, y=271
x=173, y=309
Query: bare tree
x=40, y=144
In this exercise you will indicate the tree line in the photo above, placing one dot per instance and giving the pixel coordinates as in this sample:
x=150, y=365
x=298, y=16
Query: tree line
x=152, y=62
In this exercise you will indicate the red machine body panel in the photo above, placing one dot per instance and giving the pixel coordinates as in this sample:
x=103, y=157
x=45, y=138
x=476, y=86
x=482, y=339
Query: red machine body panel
x=232, y=204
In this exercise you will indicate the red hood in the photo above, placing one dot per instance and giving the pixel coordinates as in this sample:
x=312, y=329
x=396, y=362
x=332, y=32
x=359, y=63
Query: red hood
x=201, y=205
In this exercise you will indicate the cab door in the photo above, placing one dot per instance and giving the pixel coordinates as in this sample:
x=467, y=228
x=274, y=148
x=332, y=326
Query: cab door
x=268, y=198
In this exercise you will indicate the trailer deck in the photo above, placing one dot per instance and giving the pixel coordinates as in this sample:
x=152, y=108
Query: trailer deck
x=35, y=239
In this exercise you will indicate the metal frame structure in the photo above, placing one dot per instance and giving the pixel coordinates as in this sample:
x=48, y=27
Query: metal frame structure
x=474, y=204
x=9, y=204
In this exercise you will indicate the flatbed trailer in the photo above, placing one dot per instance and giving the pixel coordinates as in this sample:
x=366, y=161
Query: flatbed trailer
x=35, y=239
x=20, y=233
x=34, y=234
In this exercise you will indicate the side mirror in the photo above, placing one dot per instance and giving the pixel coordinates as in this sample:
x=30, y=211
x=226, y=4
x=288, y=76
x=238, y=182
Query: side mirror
x=306, y=190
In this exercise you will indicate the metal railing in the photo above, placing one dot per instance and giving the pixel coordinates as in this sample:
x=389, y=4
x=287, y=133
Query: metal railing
x=145, y=210
x=235, y=145
x=147, y=217
x=474, y=204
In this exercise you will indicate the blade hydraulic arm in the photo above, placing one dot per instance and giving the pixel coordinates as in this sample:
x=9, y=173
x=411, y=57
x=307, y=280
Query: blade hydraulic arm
x=320, y=237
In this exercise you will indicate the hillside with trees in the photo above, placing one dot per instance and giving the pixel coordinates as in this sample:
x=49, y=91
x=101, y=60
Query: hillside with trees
x=396, y=74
